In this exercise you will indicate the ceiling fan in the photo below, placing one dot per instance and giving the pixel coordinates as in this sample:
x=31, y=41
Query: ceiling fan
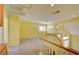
x=56, y=12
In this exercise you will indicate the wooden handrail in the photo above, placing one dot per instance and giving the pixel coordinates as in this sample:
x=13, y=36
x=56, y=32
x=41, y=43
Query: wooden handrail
x=67, y=49
x=3, y=47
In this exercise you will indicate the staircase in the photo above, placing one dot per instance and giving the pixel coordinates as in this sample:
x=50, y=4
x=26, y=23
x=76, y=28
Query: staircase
x=55, y=48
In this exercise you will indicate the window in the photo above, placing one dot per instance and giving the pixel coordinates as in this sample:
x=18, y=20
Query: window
x=66, y=41
x=49, y=28
x=42, y=29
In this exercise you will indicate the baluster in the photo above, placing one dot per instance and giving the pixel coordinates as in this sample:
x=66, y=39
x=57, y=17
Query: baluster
x=53, y=52
x=46, y=51
x=50, y=51
x=41, y=52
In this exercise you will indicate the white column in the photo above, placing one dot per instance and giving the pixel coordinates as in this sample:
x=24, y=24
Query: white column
x=5, y=26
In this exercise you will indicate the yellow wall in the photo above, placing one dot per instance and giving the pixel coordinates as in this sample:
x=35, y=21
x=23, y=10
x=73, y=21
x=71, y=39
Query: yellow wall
x=14, y=30
x=75, y=42
x=29, y=29
x=76, y=19
x=74, y=39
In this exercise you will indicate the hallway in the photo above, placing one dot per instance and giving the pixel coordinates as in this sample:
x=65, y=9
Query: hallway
x=22, y=24
x=27, y=47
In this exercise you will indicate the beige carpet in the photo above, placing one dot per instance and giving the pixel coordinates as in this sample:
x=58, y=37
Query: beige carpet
x=27, y=47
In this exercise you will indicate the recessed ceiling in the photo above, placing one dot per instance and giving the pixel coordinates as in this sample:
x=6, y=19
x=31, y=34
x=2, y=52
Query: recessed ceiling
x=46, y=13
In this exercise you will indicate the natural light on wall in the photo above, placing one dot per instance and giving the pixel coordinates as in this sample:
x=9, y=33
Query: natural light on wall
x=66, y=41
x=42, y=28
x=59, y=36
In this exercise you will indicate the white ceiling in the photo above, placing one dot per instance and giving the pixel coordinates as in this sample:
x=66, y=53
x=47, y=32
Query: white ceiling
x=45, y=13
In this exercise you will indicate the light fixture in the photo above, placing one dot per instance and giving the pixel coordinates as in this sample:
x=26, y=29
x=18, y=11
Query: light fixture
x=52, y=5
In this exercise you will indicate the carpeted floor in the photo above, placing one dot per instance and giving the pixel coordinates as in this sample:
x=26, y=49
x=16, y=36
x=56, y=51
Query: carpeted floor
x=27, y=47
